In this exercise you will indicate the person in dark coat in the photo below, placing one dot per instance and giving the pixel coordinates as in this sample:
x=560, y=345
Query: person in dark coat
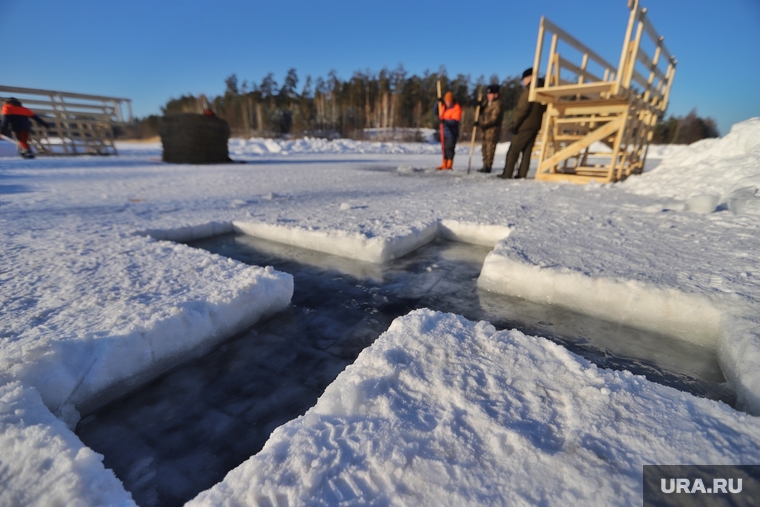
x=525, y=126
x=16, y=118
x=491, y=114
x=449, y=114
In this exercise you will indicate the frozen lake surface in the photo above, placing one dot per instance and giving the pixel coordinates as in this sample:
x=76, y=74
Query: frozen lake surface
x=182, y=433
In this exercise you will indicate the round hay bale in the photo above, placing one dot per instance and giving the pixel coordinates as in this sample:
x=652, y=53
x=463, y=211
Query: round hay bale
x=194, y=139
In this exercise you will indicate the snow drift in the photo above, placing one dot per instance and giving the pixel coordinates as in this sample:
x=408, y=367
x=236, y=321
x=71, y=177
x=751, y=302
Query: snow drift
x=724, y=170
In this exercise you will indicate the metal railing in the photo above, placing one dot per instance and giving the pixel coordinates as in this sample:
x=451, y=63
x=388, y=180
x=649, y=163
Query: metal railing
x=80, y=123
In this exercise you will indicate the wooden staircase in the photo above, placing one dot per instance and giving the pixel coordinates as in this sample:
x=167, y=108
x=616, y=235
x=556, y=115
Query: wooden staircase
x=599, y=118
x=80, y=124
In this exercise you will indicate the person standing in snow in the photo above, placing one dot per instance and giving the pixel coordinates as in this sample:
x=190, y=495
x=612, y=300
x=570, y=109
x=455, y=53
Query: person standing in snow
x=525, y=126
x=491, y=114
x=16, y=119
x=449, y=114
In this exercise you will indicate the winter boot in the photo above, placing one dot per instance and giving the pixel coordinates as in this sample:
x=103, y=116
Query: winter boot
x=484, y=170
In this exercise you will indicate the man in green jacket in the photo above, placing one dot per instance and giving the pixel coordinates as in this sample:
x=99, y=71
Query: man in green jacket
x=490, y=121
x=525, y=126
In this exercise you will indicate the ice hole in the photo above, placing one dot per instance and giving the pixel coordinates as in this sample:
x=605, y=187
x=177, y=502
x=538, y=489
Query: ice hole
x=183, y=432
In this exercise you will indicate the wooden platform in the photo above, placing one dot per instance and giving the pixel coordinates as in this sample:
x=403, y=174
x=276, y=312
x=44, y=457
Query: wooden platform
x=80, y=123
x=592, y=104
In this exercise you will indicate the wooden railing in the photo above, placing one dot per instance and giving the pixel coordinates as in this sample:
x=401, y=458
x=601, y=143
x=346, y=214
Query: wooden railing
x=564, y=74
x=655, y=87
x=80, y=123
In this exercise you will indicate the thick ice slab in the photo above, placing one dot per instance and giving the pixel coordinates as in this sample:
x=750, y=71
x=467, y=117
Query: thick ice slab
x=42, y=463
x=444, y=411
x=99, y=318
x=370, y=248
x=375, y=247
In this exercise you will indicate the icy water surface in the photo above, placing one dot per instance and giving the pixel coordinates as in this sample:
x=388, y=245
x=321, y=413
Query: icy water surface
x=182, y=433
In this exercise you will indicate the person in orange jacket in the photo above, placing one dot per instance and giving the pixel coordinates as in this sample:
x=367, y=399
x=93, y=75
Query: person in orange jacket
x=16, y=118
x=449, y=114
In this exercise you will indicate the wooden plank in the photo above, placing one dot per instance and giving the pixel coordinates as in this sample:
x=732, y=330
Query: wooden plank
x=592, y=103
x=631, y=62
x=570, y=178
x=633, y=5
x=637, y=77
x=574, y=89
x=574, y=43
x=537, y=60
x=73, y=114
x=582, y=74
x=650, y=64
x=86, y=107
x=656, y=37
x=584, y=68
x=597, y=111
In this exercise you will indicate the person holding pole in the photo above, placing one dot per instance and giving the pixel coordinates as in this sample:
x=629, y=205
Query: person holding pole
x=449, y=114
x=490, y=121
x=525, y=126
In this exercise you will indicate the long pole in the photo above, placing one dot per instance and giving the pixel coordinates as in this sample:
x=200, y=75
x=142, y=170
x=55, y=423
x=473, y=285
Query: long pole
x=440, y=124
x=475, y=128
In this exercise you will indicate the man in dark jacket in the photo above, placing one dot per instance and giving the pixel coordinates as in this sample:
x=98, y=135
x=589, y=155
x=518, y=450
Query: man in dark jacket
x=490, y=121
x=525, y=126
x=16, y=118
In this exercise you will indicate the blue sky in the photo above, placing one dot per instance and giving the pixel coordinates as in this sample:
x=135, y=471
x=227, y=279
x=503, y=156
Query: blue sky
x=150, y=51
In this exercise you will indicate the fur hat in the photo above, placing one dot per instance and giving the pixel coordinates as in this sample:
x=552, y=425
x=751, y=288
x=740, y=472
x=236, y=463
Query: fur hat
x=527, y=72
x=494, y=88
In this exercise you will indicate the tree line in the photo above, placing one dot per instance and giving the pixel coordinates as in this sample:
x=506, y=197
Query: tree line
x=684, y=129
x=331, y=107
x=391, y=100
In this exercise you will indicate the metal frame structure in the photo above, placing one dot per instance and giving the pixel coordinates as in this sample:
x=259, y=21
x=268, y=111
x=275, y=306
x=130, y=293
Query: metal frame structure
x=80, y=123
x=591, y=101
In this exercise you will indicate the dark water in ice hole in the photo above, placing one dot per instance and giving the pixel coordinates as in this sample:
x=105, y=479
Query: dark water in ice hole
x=183, y=432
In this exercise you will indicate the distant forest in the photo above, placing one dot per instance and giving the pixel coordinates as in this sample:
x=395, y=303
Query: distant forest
x=389, y=99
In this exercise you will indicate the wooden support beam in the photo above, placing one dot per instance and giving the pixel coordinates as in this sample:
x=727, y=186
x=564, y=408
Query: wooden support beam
x=587, y=141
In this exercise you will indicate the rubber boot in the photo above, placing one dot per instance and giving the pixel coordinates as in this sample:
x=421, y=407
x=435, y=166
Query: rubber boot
x=442, y=166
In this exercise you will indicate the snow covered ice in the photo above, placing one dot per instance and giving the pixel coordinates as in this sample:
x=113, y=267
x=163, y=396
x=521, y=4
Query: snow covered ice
x=443, y=411
x=439, y=410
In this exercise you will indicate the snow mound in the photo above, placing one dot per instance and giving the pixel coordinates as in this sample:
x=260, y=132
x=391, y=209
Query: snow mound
x=43, y=463
x=443, y=411
x=715, y=168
